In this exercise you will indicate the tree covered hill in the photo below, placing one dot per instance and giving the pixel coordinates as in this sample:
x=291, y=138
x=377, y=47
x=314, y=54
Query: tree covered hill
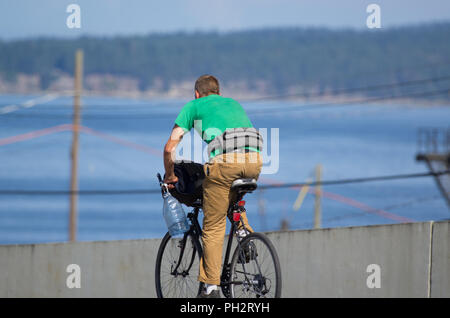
x=271, y=61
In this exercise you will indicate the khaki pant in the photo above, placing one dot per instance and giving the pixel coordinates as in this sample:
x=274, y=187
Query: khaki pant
x=220, y=174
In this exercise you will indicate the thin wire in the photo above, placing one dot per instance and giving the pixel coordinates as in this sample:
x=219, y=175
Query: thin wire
x=281, y=96
x=357, y=180
x=398, y=71
x=273, y=186
x=359, y=214
x=349, y=103
x=90, y=116
x=354, y=89
x=263, y=111
x=79, y=192
x=344, y=90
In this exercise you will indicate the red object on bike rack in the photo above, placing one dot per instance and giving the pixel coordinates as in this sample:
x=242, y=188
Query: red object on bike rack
x=241, y=203
x=236, y=216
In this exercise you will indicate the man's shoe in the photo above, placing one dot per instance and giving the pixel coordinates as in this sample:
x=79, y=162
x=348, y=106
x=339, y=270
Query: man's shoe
x=213, y=294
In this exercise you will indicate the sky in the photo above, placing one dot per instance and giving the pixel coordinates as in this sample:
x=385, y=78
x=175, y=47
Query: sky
x=32, y=18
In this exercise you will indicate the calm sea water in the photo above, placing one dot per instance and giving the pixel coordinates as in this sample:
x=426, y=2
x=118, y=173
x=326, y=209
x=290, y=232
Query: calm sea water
x=120, y=147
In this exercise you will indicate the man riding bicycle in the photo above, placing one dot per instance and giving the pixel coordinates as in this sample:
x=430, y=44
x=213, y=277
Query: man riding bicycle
x=234, y=152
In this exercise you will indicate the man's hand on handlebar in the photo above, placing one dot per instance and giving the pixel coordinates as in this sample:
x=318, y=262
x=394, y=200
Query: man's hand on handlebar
x=170, y=181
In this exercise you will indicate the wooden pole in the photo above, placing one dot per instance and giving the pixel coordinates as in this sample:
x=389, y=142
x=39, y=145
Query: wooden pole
x=75, y=144
x=317, y=208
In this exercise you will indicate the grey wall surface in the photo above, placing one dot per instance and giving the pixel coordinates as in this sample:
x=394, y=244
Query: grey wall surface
x=333, y=262
x=440, y=265
x=108, y=269
x=413, y=258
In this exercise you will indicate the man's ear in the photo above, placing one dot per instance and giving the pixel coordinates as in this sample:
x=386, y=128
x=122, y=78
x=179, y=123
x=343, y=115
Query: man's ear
x=197, y=94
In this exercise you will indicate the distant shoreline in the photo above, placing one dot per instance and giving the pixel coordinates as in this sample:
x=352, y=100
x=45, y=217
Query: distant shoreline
x=249, y=65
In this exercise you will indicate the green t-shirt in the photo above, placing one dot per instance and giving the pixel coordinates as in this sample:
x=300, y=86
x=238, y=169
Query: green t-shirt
x=216, y=114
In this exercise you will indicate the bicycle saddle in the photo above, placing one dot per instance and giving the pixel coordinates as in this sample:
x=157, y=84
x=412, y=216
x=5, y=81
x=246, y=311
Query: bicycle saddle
x=244, y=185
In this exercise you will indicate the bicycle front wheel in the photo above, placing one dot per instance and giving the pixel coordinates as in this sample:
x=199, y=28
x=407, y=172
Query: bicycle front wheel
x=177, y=267
x=255, y=269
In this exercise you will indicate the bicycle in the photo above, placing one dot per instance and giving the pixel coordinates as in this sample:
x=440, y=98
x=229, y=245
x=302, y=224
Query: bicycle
x=254, y=269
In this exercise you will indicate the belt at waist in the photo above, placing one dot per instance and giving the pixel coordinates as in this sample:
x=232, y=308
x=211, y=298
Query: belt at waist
x=238, y=150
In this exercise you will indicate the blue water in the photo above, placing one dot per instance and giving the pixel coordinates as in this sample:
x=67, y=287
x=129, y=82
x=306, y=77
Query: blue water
x=348, y=141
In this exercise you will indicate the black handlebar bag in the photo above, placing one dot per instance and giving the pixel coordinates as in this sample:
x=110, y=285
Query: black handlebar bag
x=189, y=187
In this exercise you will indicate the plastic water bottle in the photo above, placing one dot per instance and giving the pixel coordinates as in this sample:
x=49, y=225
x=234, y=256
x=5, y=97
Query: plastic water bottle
x=174, y=215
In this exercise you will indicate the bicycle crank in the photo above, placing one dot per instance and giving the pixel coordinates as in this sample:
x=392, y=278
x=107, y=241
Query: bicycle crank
x=225, y=278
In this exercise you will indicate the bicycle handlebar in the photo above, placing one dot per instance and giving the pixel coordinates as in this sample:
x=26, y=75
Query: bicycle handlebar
x=162, y=184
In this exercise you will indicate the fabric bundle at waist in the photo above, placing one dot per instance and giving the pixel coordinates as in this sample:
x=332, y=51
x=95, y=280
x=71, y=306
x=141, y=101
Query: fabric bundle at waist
x=236, y=140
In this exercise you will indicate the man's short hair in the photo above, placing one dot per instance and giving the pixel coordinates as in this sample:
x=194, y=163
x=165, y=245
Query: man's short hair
x=206, y=85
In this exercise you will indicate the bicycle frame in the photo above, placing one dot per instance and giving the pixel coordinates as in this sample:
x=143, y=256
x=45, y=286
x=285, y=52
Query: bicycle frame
x=195, y=232
x=241, y=253
x=226, y=270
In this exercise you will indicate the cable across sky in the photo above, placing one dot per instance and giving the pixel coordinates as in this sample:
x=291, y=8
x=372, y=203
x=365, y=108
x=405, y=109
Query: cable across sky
x=266, y=186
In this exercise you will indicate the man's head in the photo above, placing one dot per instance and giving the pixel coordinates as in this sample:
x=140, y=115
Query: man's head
x=206, y=85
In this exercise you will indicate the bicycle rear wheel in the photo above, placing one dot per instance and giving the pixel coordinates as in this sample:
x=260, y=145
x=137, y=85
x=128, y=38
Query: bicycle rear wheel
x=177, y=267
x=255, y=269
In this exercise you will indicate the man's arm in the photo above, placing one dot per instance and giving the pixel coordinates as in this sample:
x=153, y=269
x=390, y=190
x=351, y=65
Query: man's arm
x=169, y=154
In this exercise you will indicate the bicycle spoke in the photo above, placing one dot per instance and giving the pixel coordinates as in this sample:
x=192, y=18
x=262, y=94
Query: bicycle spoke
x=179, y=283
x=256, y=275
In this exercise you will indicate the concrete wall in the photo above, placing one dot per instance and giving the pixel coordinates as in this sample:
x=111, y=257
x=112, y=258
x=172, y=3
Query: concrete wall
x=333, y=262
x=108, y=269
x=440, y=265
x=414, y=260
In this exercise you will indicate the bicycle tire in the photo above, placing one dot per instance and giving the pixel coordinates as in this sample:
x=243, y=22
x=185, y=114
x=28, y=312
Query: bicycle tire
x=192, y=252
x=260, y=241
